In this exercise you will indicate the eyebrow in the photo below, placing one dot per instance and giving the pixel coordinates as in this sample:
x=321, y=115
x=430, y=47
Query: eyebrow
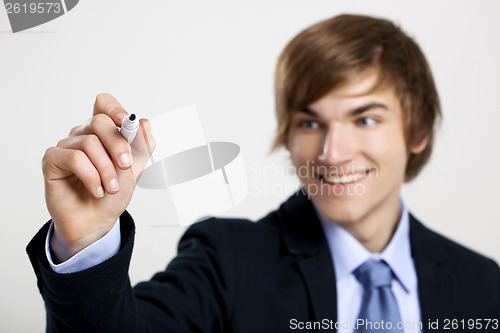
x=353, y=113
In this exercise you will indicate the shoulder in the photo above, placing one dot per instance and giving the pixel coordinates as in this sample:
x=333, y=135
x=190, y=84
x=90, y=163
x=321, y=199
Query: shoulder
x=286, y=223
x=445, y=246
x=465, y=264
x=235, y=231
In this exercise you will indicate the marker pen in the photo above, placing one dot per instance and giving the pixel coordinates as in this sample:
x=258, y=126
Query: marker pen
x=130, y=125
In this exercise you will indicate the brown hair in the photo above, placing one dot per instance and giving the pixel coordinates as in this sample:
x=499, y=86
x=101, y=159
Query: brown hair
x=332, y=52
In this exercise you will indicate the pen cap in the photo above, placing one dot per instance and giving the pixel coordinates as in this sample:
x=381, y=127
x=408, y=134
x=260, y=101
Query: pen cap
x=130, y=122
x=130, y=125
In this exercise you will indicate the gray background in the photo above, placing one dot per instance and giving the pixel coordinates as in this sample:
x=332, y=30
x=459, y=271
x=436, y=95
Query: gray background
x=155, y=56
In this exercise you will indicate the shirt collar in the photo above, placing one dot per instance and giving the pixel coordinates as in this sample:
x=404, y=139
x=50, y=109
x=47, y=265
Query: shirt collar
x=348, y=253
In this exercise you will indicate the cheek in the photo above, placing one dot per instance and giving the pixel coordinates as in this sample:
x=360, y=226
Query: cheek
x=294, y=149
x=302, y=149
x=388, y=150
x=381, y=140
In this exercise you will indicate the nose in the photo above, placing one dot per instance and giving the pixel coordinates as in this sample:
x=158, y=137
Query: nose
x=339, y=146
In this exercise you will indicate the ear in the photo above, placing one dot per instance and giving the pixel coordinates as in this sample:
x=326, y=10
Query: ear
x=417, y=149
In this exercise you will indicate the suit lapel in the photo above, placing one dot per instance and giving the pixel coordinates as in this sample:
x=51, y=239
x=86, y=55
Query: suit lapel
x=304, y=238
x=319, y=279
x=435, y=280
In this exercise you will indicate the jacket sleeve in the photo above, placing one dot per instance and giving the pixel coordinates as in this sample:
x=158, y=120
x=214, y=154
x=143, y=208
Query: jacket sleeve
x=191, y=295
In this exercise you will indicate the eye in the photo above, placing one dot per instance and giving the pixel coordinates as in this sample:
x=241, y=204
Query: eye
x=366, y=121
x=308, y=124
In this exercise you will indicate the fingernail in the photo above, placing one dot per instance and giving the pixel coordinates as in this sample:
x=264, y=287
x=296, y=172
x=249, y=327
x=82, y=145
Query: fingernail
x=100, y=192
x=121, y=115
x=113, y=184
x=125, y=159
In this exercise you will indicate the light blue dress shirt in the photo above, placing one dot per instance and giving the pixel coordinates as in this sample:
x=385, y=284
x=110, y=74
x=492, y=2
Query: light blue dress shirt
x=348, y=254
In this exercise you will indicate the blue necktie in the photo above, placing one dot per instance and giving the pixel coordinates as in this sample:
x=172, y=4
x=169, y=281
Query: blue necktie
x=379, y=304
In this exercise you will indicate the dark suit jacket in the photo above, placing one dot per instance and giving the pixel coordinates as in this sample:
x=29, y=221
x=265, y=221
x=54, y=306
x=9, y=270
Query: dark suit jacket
x=233, y=275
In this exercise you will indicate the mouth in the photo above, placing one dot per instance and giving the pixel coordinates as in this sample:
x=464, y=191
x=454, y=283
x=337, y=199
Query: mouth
x=345, y=179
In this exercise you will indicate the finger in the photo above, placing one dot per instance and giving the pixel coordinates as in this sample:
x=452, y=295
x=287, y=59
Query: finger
x=95, y=151
x=143, y=146
x=108, y=105
x=105, y=129
x=59, y=163
x=144, y=141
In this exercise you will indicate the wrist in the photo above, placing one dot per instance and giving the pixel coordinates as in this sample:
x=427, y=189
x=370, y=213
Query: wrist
x=63, y=248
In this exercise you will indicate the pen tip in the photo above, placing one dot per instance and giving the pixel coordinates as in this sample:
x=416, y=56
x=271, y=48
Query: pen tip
x=132, y=117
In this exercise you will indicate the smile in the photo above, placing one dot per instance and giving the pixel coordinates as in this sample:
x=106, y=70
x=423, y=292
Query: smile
x=346, y=179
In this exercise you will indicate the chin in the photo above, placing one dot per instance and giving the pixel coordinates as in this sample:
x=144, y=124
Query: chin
x=341, y=211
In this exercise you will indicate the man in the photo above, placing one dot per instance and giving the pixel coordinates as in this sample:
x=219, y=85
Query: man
x=356, y=107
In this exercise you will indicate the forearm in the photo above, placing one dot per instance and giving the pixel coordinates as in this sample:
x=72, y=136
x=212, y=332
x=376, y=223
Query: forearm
x=190, y=295
x=98, y=299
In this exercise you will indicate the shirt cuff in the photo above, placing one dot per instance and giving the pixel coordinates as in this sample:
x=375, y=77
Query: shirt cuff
x=94, y=254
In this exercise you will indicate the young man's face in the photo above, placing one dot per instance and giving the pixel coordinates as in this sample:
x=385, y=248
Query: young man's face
x=350, y=152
